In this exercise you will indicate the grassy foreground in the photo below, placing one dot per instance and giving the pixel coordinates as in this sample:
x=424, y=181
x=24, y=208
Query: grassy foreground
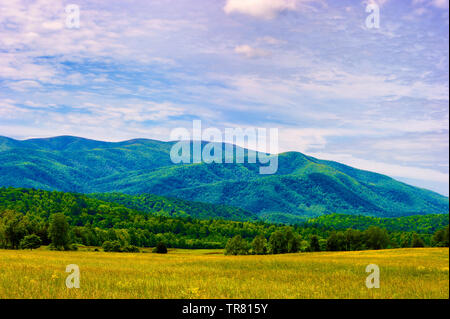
x=404, y=273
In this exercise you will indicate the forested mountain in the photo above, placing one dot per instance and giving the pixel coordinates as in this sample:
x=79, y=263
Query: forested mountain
x=303, y=186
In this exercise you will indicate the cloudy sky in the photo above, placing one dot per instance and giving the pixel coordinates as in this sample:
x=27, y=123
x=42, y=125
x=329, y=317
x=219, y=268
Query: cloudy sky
x=373, y=98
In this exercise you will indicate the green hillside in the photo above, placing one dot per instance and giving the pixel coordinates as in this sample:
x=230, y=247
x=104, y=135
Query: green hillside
x=174, y=207
x=423, y=224
x=303, y=187
x=94, y=221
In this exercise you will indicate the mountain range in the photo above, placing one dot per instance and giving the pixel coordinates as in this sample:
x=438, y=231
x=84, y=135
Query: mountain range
x=303, y=187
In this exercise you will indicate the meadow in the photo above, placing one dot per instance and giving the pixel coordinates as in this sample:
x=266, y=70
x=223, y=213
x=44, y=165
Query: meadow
x=404, y=273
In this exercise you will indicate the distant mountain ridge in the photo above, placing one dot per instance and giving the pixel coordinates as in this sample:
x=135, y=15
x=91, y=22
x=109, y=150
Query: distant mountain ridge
x=303, y=187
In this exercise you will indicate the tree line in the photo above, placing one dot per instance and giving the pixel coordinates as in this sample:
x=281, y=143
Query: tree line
x=19, y=231
x=287, y=241
x=29, y=217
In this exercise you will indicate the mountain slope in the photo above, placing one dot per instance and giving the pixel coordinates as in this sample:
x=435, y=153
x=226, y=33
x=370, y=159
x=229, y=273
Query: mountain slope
x=302, y=187
x=174, y=207
x=425, y=224
x=24, y=198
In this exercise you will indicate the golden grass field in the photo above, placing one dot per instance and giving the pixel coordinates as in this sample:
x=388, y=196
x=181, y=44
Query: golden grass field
x=404, y=273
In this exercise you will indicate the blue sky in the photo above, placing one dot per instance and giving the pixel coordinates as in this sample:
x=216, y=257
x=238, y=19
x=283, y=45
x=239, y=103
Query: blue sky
x=376, y=99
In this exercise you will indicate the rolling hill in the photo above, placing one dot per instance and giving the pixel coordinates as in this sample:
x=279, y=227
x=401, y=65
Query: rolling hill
x=174, y=207
x=73, y=204
x=303, y=186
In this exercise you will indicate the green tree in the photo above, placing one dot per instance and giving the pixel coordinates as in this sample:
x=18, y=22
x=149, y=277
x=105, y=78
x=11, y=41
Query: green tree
x=13, y=228
x=323, y=244
x=293, y=241
x=259, y=245
x=336, y=241
x=31, y=242
x=236, y=246
x=58, y=231
x=314, y=243
x=404, y=241
x=278, y=243
x=441, y=238
x=417, y=241
x=376, y=238
x=354, y=239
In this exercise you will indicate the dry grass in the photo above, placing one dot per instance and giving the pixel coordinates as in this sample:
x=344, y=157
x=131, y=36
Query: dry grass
x=405, y=273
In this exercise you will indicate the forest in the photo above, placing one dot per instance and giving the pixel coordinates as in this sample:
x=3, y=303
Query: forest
x=30, y=217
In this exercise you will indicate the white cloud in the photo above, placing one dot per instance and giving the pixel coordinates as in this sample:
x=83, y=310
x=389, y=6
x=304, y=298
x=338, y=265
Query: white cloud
x=265, y=9
x=270, y=40
x=24, y=85
x=9, y=110
x=31, y=31
x=392, y=170
x=250, y=52
x=377, y=2
x=92, y=131
x=18, y=66
x=148, y=111
x=32, y=104
x=367, y=86
x=441, y=4
x=322, y=83
x=303, y=139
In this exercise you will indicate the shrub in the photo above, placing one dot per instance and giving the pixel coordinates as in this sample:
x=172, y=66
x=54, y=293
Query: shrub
x=111, y=246
x=130, y=249
x=30, y=242
x=160, y=248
